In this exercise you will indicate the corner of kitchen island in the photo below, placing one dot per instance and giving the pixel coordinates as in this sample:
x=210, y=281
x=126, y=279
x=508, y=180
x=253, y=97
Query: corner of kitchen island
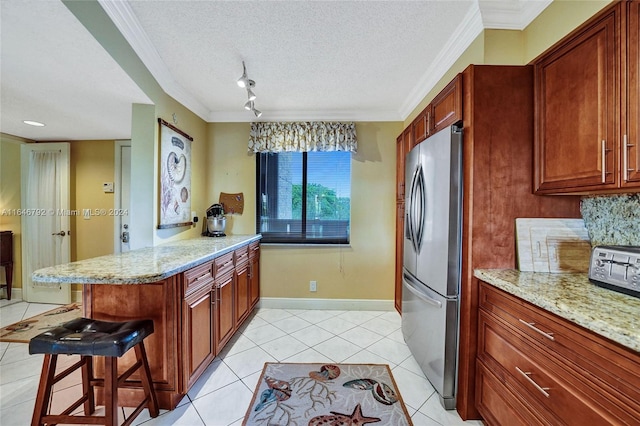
x=198, y=293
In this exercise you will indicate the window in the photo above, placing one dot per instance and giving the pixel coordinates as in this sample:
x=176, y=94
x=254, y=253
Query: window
x=304, y=197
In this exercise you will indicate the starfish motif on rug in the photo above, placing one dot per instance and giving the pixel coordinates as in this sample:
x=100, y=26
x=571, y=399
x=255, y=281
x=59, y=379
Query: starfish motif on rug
x=339, y=419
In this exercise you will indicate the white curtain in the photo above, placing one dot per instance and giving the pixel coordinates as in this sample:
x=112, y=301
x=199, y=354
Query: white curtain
x=42, y=218
x=302, y=136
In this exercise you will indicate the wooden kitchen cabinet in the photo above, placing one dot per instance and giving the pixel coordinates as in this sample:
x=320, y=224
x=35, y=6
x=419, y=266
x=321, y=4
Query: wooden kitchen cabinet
x=552, y=370
x=224, y=310
x=198, y=331
x=193, y=314
x=254, y=274
x=586, y=97
x=242, y=285
x=631, y=145
x=446, y=107
x=421, y=126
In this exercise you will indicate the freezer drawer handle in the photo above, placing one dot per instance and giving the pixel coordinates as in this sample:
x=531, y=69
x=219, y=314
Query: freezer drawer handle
x=540, y=388
x=531, y=325
x=422, y=295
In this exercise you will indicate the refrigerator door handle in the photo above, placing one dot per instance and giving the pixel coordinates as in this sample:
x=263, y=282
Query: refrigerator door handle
x=420, y=217
x=411, y=213
x=420, y=294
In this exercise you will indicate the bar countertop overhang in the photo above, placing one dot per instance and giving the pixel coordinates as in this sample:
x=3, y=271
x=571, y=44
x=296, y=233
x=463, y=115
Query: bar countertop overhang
x=145, y=265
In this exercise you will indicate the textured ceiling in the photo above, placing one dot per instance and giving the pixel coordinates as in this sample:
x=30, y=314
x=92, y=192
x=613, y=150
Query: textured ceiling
x=311, y=60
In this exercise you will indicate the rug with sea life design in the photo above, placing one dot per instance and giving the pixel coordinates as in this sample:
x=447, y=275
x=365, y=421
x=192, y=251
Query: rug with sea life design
x=293, y=394
x=23, y=331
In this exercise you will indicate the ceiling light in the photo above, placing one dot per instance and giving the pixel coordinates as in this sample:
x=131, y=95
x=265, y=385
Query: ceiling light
x=243, y=80
x=34, y=123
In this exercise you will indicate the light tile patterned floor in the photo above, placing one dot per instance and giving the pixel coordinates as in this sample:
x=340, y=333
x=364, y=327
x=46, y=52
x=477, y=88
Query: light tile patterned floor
x=223, y=393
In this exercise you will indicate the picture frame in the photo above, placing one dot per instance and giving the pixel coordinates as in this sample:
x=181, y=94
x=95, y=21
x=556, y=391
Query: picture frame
x=175, y=177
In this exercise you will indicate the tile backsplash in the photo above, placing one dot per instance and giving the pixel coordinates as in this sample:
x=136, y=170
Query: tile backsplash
x=612, y=219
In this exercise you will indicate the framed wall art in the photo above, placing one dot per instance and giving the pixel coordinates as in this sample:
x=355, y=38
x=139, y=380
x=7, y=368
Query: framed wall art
x=175, y=177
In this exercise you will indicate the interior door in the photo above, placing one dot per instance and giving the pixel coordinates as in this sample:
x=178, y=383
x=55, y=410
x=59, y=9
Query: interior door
x=45, y=218
x=122, y=200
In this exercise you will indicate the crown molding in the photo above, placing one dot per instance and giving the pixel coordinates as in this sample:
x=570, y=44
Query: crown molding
x=515, y=15
x=296, y=115
x=123, y=17
x=466, y=32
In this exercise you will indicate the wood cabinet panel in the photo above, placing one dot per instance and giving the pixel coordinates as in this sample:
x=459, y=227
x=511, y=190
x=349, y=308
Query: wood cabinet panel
x=196, y=277
x=631, y=140
x=573, y=375
x=577, y=114
x=197, y=334
x=224, y=310
x=223, y=264
x=446, y=107
x=420, y=126
x=399, y=256
x=499, y=405
x=243, y=290
x=254, y=274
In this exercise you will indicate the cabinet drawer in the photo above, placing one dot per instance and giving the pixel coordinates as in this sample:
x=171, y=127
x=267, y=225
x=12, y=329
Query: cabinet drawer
x=223, y=264
x=570, y=397
x=254, y=249
x=498, y=405
x=611, y=367
x=197, y=277
x=241, y=255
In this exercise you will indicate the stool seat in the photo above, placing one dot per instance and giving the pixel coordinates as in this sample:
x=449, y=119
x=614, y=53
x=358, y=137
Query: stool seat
x=85, y=336
x=88, y=338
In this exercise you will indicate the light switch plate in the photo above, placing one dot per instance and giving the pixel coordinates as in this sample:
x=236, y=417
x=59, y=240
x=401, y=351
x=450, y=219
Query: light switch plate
x=107, y=186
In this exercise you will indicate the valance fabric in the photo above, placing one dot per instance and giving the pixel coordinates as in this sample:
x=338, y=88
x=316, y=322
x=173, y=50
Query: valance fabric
x=302, y=136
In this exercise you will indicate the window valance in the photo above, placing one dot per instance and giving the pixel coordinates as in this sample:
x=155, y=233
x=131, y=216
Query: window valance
x=303, y=136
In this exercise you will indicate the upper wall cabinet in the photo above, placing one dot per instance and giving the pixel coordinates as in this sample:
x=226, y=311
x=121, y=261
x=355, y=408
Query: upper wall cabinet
x=586, y=107
x=446, y=108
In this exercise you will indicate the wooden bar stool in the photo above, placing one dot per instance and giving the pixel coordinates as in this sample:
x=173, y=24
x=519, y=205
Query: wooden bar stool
x=88, y=338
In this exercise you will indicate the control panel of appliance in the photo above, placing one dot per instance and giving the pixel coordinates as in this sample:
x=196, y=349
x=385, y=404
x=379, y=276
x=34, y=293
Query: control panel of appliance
x=616, y=268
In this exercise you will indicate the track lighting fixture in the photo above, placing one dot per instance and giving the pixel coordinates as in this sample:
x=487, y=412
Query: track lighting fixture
x=245, y=82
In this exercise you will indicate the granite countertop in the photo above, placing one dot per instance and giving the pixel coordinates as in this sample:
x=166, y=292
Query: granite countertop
x=143, y=266
x=573, y=297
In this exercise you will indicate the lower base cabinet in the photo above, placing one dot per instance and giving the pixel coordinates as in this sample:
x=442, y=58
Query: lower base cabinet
x=194, y=316
x=537, y=368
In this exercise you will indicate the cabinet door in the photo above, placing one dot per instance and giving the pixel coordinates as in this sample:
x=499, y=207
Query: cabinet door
x=197, y=333
x=399, y=253
x=577, y=112
x=631, y=143
x=421, y=126
x=242, y=293
x=446, y=107
x=254, y=275
x=400, y=168
x=224, y=320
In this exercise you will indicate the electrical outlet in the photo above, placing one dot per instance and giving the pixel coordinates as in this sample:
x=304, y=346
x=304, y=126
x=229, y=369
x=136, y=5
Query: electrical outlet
x=313, y=286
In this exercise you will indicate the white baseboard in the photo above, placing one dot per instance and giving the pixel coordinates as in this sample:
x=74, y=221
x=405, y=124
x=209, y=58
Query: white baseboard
x=16, y=293
x=329, y=304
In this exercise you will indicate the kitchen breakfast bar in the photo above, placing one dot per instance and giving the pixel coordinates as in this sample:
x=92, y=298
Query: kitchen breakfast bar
x=198, y=292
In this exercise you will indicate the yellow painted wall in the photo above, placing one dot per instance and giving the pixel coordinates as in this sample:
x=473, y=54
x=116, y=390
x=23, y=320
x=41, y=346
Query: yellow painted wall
x=10, y=200
x=92, y=163
x=365, y=269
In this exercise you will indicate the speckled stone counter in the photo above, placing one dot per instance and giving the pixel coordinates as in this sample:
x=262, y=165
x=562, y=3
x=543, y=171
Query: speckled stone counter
x=573, y=297
x=143, y=266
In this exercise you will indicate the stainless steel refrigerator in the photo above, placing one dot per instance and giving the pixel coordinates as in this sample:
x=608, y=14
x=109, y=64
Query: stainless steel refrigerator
x=432, y=258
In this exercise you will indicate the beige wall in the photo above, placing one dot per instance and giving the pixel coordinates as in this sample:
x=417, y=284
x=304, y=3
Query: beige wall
x=365, y=269
x=10, y=200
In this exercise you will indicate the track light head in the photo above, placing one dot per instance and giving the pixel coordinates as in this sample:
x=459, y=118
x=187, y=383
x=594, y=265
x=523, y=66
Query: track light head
x=258, y=113
x=249, y=105
x=250, y=95
x=243, y=81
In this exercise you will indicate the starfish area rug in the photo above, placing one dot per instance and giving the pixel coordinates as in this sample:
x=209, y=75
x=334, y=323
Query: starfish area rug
x=292, y=394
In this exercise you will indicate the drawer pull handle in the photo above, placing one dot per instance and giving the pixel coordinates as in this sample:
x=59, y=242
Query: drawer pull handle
x=531, y=325
x=206, y=274
x=530, y=380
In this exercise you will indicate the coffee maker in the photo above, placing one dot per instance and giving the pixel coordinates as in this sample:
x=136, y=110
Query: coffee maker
x=216, y=222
